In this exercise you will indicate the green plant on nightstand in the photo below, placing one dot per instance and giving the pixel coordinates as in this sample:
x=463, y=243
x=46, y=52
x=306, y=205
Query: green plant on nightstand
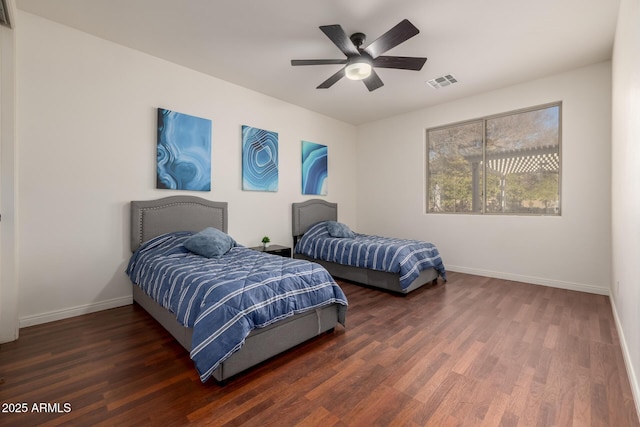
x=265, y=241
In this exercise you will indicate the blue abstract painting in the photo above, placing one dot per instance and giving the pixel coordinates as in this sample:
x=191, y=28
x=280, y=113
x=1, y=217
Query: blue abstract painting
x=259, y=159
x=184, y=152
x=314, y=168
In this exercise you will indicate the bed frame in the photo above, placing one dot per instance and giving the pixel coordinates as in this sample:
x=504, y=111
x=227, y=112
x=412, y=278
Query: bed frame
x=310, y=212
x=189, y=213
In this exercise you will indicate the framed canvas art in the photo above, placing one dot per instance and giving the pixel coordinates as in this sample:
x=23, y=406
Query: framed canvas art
x=259, y=159
x=184, y=152
x=314, y=168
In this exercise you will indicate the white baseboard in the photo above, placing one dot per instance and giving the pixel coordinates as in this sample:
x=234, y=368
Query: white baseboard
x=52, y=316
x=631, y=373
x=530, y=279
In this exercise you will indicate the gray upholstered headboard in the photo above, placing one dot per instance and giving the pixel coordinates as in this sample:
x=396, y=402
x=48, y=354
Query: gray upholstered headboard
x=152, y=218
x=305, y=214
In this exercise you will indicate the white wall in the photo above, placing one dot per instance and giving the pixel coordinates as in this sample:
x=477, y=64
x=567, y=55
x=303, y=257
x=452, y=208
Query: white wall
x=8, y=283
x=570, y=251
x=86, y=120
x=625, y=188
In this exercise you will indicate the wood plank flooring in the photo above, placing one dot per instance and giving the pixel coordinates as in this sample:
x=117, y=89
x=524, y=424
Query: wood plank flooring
x=472, y=352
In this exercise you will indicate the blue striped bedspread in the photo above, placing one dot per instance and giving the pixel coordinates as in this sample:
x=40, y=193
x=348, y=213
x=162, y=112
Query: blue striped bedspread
x=224, y=299
x=405, y=257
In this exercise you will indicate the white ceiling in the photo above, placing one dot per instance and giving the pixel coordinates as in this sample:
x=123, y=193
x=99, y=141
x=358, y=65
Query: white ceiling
x=485, y=44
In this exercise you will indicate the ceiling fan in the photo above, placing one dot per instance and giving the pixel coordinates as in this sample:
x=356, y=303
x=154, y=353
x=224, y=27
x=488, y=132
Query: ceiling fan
x=360, y=63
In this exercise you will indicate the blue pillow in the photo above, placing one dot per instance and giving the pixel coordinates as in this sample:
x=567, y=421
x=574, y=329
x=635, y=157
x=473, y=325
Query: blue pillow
x=338, y=229
x=210, y=243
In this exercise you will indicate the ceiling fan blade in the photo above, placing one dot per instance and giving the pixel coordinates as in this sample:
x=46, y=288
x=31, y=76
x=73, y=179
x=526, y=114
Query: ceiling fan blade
x=392, y=38
x=317, y=61
x=400, y=62
x=373, y=82
x=332, y=80
x=340, y=39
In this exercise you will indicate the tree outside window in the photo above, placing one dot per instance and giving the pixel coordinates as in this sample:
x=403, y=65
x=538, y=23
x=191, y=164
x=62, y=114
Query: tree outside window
x=506, y=164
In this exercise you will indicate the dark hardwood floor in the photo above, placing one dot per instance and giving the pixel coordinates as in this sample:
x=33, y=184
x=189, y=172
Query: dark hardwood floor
x=472, y=352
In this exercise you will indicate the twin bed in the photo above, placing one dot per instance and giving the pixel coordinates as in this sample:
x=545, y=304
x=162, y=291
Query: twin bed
x=228, y=330
x=397, y=265
x=233, y=307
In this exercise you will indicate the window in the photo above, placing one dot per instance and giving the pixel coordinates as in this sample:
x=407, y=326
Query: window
x=506, y=164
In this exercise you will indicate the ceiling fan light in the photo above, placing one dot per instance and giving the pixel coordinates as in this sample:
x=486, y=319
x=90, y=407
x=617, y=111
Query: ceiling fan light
x=358, y=70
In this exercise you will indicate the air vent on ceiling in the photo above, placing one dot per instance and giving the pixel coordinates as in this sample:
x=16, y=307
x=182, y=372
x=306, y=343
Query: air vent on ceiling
x=443, y=81
x=4, y=14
